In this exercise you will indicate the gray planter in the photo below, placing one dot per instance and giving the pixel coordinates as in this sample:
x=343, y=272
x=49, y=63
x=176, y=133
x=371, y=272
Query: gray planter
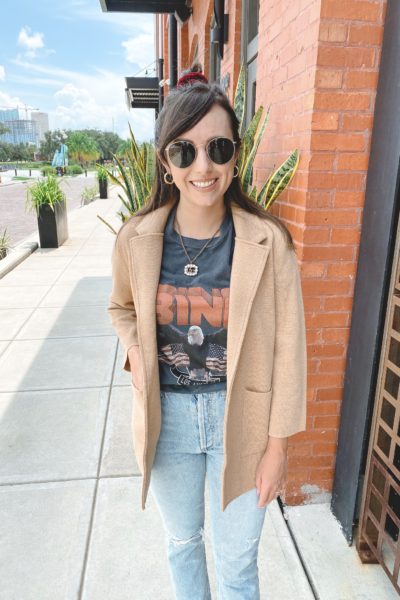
x=53, y=225
x=103, y=188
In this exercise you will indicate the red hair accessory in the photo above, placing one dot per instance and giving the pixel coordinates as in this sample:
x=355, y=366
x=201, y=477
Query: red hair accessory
x=190, y=78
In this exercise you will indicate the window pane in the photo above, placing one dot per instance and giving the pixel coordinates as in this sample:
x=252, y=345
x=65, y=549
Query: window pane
x=253, y=7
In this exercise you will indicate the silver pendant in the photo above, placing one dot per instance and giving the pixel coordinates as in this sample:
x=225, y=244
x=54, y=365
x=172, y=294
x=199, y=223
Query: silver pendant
x=191, y=270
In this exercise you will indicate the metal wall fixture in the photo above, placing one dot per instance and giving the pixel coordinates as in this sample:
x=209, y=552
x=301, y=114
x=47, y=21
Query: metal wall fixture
x=219, y=33
x=182, y=8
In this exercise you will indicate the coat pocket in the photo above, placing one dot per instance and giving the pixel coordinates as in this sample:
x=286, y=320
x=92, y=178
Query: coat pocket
x=137, y=367
x=255, y=421
x=136, y=389
x=138, y=425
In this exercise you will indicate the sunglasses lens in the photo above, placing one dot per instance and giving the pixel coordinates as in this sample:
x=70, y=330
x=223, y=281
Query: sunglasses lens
x=221, y=150
x=182, y=154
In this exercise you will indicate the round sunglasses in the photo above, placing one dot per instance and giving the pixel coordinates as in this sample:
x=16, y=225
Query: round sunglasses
x=182, y=153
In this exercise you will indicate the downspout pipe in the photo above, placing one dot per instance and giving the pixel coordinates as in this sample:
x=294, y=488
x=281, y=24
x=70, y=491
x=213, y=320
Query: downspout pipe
x=172, y=50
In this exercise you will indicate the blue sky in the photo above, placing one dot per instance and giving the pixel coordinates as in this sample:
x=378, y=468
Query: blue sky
x=70, y=59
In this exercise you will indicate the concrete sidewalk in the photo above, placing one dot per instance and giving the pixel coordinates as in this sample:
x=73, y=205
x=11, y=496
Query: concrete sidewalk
x=70, y=517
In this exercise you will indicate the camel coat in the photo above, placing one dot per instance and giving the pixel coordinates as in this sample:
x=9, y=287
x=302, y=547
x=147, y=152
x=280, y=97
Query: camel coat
x=266, y=341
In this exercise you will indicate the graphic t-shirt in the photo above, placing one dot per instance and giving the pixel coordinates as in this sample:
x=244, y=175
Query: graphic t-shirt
x=192, y=311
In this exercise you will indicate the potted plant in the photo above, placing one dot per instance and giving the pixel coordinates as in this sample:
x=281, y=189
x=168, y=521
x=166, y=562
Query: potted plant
x=49, y=201
x=88, y=195
x=103, y=181
x=4, y=244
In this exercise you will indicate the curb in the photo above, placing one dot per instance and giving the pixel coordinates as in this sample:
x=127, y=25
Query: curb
x=18, y=254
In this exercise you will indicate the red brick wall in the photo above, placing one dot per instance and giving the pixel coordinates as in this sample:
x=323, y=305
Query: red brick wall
x=232, y=51
x=317, y=68
x=183, y=47
x=197, y=31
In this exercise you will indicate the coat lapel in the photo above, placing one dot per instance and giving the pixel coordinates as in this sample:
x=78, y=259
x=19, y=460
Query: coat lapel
x=146, y=255
x=249, y=259
x=251, y=250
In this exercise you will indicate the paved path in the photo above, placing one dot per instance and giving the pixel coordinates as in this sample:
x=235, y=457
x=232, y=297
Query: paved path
x=13, y=215
x=71, y=522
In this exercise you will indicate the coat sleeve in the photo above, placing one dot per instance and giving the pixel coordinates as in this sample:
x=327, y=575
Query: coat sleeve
x=121, y=307
x=289, y=379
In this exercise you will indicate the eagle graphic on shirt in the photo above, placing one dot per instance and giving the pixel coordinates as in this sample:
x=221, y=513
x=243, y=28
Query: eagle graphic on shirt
x=192, y=333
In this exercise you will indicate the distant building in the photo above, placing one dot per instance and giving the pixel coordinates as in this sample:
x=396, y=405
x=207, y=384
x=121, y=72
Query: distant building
x=42, y=124
x=21, y=129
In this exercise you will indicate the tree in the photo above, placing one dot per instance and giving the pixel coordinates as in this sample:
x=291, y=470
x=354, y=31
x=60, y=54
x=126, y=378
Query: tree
x=123, y=148
x=107, y=142
x=52, y=141
x=3, y=129
x=83, y=144
x=82, y=147
x=16, y=152
x=5, y=151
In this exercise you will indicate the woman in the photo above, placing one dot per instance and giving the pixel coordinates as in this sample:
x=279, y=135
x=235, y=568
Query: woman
x=207, y=303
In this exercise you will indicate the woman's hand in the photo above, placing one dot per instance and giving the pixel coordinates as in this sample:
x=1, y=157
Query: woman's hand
x=136, y=367
x=271, y=471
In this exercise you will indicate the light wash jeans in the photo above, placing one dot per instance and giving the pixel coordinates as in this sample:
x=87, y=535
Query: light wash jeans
x=190, y=448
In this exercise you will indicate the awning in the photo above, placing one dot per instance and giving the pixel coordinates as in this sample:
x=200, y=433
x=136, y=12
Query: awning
x=142, y=92
x=148, y=6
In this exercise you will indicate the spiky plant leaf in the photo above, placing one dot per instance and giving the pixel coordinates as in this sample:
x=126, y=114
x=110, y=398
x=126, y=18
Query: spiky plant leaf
x=150, y=166
x=125, y=182
x=248, y=167
x=239, y=102
x=135, y=148
x=108, y=224
x=253, y=193
x=248, y=141
x=278, y=180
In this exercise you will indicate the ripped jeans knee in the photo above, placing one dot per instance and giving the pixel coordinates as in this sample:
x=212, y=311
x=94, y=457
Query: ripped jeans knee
x=196, y=538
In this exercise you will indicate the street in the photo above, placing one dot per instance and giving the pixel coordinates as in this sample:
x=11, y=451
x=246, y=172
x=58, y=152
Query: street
x=13, y=215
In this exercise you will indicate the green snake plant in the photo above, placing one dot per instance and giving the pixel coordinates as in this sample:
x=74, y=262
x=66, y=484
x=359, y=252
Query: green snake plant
x=251, y=138
x=4, y=244
x=135, y=171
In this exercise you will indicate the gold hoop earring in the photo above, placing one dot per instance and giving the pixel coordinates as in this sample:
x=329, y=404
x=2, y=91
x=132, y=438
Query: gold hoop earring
x=237, y=171
x=170, y=179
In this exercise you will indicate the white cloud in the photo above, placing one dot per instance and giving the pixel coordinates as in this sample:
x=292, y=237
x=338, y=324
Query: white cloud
x=2, y=73
x=140, y=49
x=56, y=72
x=36, y=81
x=31, y=43
x=92, y=100
x=123, y=22
x=7, y=101
x=101, y=106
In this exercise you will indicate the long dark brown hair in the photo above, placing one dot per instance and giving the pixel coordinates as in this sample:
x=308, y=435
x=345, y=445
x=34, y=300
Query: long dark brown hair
x=183, y=108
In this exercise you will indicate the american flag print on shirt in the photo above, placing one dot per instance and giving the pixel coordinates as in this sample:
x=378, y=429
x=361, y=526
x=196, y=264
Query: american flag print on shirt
x=192, y=333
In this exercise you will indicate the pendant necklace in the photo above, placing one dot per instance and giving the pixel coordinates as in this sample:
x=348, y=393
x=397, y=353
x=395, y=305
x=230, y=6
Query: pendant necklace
x=191, y=269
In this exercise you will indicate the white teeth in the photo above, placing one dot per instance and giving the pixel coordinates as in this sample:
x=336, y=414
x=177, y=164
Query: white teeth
x=204, y=184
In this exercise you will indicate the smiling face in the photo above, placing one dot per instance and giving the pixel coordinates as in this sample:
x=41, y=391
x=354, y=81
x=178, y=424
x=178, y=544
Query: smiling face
x=204, y=182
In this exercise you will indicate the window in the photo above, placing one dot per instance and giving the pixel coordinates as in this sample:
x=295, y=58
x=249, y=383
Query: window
x=215, y=60
x=250, y=23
